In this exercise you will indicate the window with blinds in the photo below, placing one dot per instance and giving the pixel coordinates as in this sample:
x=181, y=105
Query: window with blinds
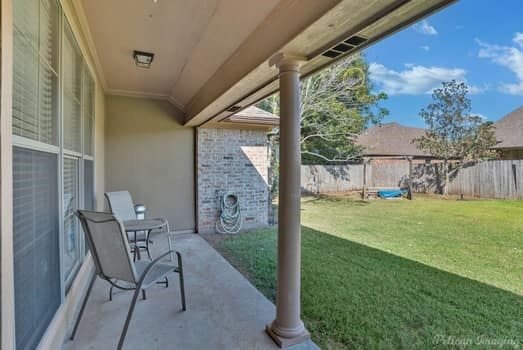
x=36, y=243
x=72, y=79
x=35, y=78
x=52, y=162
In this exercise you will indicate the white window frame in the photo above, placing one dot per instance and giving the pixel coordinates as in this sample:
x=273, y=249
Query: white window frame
x=23, y=142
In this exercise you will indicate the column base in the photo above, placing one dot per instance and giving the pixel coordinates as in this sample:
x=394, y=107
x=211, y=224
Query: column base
x=284, y=342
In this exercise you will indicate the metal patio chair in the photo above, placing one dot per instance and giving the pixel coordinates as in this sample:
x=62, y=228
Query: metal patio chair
x=121, y=204
x=113, y=262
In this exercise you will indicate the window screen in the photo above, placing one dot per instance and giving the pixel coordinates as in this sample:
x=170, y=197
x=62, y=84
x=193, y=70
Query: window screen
x=35, y=78
x=36, y=243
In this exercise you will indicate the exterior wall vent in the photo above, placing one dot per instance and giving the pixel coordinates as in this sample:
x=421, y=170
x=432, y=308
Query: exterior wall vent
x=355, y=40
x=233, y=109
x=345, y=46
x=331, y=53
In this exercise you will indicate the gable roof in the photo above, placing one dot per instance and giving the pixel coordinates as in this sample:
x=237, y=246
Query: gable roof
x=256, y=115
x=253, y=116
x=391, y=139
x=509, y=130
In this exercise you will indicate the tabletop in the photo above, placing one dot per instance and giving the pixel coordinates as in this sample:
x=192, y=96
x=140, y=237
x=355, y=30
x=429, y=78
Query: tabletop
x=143, y=225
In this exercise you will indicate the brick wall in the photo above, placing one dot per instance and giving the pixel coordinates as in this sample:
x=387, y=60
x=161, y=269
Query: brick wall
x=232, y=160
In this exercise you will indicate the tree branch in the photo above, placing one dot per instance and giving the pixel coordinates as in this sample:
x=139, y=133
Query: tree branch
x=327, y=159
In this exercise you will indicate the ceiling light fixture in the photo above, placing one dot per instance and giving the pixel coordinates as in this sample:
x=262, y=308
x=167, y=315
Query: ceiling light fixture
x=143, y=59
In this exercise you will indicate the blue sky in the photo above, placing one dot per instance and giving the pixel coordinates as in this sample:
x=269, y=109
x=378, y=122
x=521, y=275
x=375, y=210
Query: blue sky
x=479, y=42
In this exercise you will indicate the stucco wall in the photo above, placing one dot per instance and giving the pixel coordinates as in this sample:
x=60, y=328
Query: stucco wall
x=232, y=160
x=150, y=154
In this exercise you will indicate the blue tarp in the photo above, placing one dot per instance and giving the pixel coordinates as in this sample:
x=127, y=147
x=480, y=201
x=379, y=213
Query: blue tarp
x=391, y=193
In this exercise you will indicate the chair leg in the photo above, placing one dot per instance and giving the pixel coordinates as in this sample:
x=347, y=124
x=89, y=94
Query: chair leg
x=182, y=286
x=82, y=308
x=129, y=315
x=143, y=294
x=111, y=293
x=147, y=245
x=148, y=251
x=138, y=254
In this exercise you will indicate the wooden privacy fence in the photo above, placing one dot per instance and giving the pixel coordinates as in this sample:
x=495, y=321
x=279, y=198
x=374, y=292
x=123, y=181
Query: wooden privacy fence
x=331, y=178
x=491, y=179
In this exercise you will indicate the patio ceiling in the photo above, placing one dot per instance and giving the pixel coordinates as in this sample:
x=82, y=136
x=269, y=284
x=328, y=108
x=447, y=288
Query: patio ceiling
x=211, y=55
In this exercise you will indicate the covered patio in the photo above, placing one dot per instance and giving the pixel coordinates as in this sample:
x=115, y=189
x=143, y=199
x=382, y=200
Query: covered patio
x=102, y=96
x=224, y=310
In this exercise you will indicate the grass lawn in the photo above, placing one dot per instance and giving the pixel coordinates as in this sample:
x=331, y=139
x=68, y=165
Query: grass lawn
x=401, y=274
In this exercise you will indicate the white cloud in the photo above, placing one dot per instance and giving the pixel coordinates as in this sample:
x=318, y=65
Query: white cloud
x=414, y=79
x=475, y=90
x=510, y=57
x=425, y=48
x=518, y=39
x=425, y=28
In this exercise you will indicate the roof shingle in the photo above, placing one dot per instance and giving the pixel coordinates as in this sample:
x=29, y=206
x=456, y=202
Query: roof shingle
x=391, y=139
x=509, y=130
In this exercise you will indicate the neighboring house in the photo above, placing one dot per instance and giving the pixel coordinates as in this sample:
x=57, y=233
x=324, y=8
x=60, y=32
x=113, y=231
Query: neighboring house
x=509, y=134
x=392, y=141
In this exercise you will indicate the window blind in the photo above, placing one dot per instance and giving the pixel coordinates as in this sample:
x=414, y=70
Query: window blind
x=88, y=112
x=35, y=78
x=72, y=78
x=36, y=243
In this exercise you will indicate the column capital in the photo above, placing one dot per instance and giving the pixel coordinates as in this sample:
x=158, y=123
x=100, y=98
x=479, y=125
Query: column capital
x=286, y=62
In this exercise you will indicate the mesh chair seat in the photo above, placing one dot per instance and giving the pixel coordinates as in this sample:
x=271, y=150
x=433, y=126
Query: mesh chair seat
x=156, y=273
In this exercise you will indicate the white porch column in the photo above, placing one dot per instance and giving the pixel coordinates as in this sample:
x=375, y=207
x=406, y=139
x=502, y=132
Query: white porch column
x=288, y=329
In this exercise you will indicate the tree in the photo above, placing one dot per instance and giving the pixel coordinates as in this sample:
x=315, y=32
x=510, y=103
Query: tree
x=452, y=132
x=337, y=104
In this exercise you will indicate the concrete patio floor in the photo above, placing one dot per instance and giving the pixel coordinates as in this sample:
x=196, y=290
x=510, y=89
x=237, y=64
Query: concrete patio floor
x=224, y=310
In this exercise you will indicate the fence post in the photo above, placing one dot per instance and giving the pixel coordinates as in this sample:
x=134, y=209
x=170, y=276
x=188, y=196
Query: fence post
x=364, y=190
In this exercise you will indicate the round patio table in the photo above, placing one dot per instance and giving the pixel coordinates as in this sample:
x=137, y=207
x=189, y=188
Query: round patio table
x=145, y=225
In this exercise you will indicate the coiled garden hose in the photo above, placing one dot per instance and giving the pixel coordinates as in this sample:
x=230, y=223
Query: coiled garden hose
x=230, y=220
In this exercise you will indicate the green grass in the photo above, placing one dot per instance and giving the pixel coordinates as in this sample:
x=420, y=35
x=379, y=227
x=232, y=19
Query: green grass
x=397, y=274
